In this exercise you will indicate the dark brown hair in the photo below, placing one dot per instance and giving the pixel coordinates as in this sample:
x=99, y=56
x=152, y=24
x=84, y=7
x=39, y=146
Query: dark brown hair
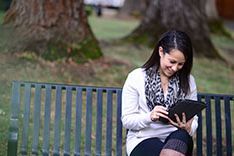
x=179, y=40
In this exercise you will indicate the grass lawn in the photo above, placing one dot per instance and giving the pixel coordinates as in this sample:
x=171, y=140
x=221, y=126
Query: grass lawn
x=109, y=28
x=1, y=16
x=212, y=76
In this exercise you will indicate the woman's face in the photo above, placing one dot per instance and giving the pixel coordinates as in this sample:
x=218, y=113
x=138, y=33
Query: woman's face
x=171, y=62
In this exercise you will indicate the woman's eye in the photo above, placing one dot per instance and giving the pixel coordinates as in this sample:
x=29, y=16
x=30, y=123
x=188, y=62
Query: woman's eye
x=181, y=64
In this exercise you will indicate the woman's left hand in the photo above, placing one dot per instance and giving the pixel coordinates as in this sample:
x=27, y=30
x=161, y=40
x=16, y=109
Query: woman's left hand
x=182, y=123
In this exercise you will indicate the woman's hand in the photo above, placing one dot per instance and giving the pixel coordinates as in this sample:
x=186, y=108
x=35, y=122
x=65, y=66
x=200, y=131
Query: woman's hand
x=158, y=111
x=182, y=123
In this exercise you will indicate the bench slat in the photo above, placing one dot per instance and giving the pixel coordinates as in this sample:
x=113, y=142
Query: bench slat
x=36, y=119
x=27, y=101
x=218, y=124
x=199, y=132
x=109, y=122
x=46, y=136
x=14, y=127
x=88, y=128
x=57, y=119
x=119, y=134
x=78, y=121
x=68, y=114
x=228, y=126
x=209, y=126
x=99, y=122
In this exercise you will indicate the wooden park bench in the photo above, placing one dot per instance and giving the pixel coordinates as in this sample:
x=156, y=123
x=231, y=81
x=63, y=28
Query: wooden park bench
x=61, y=119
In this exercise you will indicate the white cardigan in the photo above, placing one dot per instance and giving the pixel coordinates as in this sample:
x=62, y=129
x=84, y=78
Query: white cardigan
x=136, y=114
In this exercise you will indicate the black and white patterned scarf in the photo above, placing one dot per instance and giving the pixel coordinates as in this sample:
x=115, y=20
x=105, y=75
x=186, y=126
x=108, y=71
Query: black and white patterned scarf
x=154, y=92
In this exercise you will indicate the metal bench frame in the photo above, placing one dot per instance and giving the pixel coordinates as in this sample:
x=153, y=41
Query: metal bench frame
x=37, y=115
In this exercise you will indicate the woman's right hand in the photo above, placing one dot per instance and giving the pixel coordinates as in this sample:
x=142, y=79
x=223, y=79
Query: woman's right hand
x=157, y=112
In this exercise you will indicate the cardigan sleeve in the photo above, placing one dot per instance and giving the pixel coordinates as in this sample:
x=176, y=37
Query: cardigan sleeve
x=132, y=118
x=193, y=96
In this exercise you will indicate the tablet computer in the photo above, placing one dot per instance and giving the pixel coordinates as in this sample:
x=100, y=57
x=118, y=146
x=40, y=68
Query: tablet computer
x=189, y=107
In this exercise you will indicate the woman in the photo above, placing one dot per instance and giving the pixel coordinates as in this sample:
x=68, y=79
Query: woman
x=152, y=89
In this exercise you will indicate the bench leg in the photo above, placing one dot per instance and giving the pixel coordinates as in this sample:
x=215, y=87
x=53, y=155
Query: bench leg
x=12, y=144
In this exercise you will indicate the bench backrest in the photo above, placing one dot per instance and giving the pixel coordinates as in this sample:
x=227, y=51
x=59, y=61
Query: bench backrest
x=58, y=119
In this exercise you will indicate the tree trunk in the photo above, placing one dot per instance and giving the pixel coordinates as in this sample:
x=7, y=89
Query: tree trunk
x=216, y=25
x=53, y=29
x=185, y=15
x=135, y=8
x=211, y=10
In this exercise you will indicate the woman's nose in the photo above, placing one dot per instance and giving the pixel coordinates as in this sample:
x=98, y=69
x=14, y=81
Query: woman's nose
x=175, y=67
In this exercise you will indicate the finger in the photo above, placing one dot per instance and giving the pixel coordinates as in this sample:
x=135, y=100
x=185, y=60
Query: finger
x=162, y=115
x=155, y=116
x=174, y=123
x=180, y=123
x=183, y=118
x=162, y=111
x=160, y=108
x=178, y=119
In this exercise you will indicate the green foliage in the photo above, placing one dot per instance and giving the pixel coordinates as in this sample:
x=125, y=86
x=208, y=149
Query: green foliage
x=223, y=41
x=2, y=5
x=217, y=27
x=92, y=51
x=225, y=45
x=80, y=52
x=138, y=39
x=1, y=16
x=88, y=10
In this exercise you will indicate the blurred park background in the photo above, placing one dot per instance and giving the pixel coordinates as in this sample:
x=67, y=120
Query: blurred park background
x=98, y=42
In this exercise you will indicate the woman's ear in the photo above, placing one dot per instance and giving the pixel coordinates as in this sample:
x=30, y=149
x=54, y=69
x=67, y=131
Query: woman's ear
x=160, y=50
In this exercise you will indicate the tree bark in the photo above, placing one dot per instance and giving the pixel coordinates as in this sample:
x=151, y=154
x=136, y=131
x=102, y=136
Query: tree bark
x=135, y=8
x=211, y=10
x=216, y=25
x=185, y=15
x=53, y=29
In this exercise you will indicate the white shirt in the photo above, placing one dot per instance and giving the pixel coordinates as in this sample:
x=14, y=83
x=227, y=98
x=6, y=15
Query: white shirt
x=136, y=114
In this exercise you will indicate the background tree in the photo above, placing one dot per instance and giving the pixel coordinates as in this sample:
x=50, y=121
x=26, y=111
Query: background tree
x=52, y=29
x=214, y=21
x=211, y=9
x=136, y=8
x=185, y=15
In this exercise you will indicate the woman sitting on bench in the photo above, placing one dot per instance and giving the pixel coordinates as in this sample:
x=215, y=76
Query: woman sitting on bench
x=151, y=90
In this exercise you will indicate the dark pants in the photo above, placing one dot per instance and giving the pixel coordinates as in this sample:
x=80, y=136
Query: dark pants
x=178, y=140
